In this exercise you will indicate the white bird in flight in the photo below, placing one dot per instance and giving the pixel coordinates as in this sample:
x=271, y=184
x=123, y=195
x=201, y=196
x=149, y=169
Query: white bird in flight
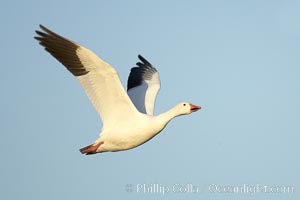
x=127, y=118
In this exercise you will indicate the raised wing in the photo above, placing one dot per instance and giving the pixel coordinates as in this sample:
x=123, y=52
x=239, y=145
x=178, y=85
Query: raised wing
x=143, y=85
x=99, y=80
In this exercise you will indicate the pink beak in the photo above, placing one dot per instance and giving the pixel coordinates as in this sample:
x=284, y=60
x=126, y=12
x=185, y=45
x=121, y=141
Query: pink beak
x=194, y=108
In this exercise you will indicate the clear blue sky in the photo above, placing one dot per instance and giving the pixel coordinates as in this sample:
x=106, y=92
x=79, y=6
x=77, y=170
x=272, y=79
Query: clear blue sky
x=239, y=60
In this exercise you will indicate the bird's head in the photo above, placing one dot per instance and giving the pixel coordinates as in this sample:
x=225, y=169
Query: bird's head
x=185, y=108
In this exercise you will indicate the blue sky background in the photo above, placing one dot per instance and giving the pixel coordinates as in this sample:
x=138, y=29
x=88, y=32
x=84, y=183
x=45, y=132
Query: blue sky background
x=239, y=60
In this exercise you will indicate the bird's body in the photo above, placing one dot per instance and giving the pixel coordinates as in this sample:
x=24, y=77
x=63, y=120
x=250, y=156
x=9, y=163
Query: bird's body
x=143, y=128
x=127, y=118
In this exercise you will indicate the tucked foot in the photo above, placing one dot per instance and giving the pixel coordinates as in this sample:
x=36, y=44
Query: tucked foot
x=91, y=149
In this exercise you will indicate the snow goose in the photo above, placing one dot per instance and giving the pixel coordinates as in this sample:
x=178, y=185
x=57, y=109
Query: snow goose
x=127, y=119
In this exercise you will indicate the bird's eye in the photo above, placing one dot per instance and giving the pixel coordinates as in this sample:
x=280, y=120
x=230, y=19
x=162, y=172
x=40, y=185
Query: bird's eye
x=184, y=104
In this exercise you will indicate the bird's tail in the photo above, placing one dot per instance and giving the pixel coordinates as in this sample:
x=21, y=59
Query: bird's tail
x=90, y=149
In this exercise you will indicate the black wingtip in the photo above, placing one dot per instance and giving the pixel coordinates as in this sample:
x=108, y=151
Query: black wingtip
x=42, y=27
x=143, y=59
x=40, y=33
x=37, y=38
x=140, y=57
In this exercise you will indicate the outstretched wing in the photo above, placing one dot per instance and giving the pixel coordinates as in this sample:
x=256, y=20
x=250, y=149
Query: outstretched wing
x=143, y=85
x=99, y=80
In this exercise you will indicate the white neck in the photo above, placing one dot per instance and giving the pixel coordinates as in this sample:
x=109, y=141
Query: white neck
x=166, y=117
